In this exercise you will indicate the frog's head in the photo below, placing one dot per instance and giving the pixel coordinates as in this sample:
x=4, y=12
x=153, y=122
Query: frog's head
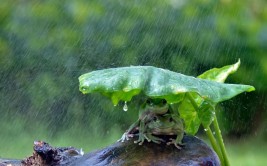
x=159, y=106
x=165, y=125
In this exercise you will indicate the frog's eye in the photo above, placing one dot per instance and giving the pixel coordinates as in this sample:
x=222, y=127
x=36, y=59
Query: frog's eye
x=171, y=119
x=155, y=118
x=164, y=101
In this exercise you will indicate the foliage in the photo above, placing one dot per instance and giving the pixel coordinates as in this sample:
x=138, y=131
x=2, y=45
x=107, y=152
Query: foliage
x=126, y=82
x=187, y=110
x=46, y=45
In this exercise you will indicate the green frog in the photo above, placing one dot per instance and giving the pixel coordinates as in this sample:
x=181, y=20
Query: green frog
x=147, y=110
x=167, y=124
x=156, y=117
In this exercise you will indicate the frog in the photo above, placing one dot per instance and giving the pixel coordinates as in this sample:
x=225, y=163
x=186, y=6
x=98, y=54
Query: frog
x=167, y=124
x=151, y=107
x=154, y=108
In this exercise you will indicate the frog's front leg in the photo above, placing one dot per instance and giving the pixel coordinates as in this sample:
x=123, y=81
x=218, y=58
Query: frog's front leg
x=129, y=133
x=142, y=135
x=177, y=142
x=125, y=137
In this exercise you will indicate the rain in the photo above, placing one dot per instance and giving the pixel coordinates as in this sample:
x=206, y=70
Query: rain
x=46, y=45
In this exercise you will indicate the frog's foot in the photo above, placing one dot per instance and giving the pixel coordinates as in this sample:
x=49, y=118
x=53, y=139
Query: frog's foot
x=141, y=139
x=177, y=144
x=125, y=137
x=149, y=138
x=155, y=139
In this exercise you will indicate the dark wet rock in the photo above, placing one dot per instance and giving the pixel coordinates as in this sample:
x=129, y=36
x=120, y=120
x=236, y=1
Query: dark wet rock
x=45, y=155
x=194, y=152
x=10, y=162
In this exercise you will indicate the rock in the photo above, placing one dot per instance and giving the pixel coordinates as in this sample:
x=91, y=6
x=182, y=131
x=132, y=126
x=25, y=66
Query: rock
x=46, y=155
x=194, y=152
x=10, y=162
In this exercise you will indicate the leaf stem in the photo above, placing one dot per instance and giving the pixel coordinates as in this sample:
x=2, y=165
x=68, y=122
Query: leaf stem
x=194, y=104
x=214, y=144
x=220, y=140
x=208, y=132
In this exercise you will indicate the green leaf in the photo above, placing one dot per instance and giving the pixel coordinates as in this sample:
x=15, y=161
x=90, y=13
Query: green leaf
x=190, y=116
x=206, y=111
x=194, y=118
x=125, y=82
x=220, y=74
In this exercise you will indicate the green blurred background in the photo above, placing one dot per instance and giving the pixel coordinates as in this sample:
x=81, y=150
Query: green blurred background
x=46, y=45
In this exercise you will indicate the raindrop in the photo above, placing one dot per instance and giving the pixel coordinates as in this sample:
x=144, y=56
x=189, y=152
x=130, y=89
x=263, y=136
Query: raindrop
x=81, y=152
x=205, y=129
x=213, y=133
x=125, y=107
x=213, y=113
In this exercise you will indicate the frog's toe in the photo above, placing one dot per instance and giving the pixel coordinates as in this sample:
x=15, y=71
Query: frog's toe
x=139, y=142
x=147, y=138
x=177, y=146
x=155, y=139
x=125, y=137
x=122, y=139
x=175, y=143
x=158, y=140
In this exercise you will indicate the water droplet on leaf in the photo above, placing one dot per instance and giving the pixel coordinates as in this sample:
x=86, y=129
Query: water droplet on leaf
x=125, y=107
x=205, y=129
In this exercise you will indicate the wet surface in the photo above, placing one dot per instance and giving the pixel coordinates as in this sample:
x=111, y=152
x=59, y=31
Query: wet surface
x=194, y=152
x=44, y=154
